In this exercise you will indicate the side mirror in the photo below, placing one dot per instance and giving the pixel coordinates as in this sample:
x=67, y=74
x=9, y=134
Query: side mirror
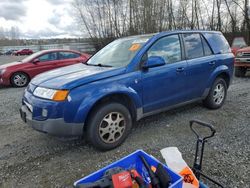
x=153, y=61
x=36, y=61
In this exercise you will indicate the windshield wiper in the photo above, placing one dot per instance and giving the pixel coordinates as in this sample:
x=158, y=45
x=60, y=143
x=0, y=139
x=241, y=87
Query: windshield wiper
x=99, y=65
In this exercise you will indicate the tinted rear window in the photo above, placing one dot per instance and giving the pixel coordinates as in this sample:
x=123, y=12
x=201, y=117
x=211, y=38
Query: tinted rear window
x=193, y=45
x=218, y=42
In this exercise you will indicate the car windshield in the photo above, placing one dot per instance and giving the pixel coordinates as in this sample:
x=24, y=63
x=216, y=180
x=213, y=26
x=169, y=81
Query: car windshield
x=29, y=58
x=119, y=53
x=239, y=42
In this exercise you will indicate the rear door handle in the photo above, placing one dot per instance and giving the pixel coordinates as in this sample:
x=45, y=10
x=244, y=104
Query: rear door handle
x=180, y=69
x=212, y=63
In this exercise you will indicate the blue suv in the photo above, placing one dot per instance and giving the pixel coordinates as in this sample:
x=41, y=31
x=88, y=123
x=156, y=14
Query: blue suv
x=127, y=80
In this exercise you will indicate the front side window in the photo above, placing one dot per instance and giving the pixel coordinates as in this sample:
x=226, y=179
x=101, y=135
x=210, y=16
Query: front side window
x=48, y=57
x=168, y=48
x=33, y=56
x=68, y=55
x=193, y=45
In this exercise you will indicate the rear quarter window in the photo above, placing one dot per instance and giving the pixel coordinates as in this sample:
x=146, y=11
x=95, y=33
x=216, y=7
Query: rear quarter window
x=206, y=48
x=218, y=43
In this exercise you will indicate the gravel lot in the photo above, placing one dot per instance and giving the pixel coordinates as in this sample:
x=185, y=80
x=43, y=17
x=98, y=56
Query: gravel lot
x=31, y=159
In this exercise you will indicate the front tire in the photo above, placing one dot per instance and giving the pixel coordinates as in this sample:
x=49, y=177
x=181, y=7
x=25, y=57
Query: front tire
x=19, y=79
x=217, y=94
x=240, y=71
x=109, y=126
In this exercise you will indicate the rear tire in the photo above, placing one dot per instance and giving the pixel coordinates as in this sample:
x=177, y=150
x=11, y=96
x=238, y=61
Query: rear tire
x=108, y=126
x=240, y=71
x=217, y=94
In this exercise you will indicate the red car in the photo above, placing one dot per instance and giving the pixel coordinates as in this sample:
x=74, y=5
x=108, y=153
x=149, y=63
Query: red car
x=18, y=74
x=23, y=52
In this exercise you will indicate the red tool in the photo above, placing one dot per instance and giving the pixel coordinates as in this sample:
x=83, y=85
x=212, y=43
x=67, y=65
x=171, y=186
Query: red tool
x=122, y=180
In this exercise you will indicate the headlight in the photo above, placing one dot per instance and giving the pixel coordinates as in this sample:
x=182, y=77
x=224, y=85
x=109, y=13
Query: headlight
x=239, y=54
x=52, y=94
x=2, y=71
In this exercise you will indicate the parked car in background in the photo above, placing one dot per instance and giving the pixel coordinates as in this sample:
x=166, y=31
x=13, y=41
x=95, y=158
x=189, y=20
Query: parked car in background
x=23, y=52
x=242, y=61
x=242, y=56
x=238, y=43
x=10, y=52
x=127, y=80
x=18, y=74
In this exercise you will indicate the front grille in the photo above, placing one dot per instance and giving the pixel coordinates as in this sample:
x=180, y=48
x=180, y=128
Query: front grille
x=243, y=60
x=245, y=54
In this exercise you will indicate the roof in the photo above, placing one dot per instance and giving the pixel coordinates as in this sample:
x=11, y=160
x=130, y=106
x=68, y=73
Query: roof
x=56, y=50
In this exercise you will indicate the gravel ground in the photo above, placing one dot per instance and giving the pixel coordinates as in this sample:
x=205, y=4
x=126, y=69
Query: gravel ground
x=31, y=159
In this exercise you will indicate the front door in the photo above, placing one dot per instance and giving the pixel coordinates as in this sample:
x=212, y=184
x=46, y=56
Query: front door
x=46, y=62
x=165, y=85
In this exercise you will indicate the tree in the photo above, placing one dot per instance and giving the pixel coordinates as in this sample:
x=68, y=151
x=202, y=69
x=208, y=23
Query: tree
x=105, y=20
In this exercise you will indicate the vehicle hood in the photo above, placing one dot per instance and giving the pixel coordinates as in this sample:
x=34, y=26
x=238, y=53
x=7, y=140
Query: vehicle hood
x=7, y=65
x=246, y=49
x=73, y=76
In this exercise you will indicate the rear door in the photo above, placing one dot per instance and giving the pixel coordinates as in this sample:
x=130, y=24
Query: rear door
x=201, y=63
x=68, y=58
x=165, y=85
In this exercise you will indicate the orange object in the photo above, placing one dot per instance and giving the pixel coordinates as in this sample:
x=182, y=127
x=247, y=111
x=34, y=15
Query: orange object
x=134, y=47
x=189, y=177
x=153, y=168
x=60, y=95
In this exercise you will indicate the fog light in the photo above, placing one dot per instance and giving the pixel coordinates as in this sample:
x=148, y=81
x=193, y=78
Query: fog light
x=44, y=113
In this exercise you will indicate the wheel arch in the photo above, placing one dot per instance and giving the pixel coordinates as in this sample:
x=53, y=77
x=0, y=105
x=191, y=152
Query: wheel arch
x=225, y=76
x=120, y=97
x=222, y=72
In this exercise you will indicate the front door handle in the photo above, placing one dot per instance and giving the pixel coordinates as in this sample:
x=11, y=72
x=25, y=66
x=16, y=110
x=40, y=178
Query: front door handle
x=212, y=63
x=180, y=69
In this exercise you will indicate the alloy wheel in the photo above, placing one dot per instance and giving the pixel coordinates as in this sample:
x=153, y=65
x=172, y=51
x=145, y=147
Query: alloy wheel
x=20, y=80
x=112, y=127
x=219, y=94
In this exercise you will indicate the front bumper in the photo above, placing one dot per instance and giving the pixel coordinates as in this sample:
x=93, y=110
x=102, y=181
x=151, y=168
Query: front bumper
x=55, y=127
x=4, y=81
x=242, y=62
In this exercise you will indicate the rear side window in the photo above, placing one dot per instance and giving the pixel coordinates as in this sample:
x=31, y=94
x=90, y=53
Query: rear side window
x=206, y=48
x=68, y=55
x=193, y=45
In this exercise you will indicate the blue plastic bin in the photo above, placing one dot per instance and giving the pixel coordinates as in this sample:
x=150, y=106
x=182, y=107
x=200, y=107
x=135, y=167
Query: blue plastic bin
x=133, y=161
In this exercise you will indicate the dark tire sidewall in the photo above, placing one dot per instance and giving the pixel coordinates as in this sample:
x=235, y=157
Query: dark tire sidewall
x=209, y=101
x=95, y=119
x=240, y=71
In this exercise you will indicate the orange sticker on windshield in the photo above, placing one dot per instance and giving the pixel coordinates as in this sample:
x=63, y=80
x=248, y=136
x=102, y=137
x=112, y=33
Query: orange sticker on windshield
x=134, y=47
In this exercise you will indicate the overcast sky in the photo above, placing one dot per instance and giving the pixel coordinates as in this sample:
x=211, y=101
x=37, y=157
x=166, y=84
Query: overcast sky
x=39, y=18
